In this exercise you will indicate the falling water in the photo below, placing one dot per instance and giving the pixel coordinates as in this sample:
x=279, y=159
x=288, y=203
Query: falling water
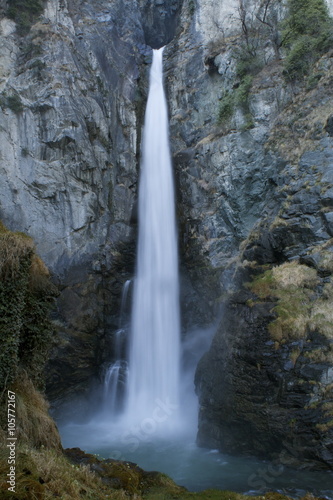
x=123, y=306
x=155, y=326
x=116, y=372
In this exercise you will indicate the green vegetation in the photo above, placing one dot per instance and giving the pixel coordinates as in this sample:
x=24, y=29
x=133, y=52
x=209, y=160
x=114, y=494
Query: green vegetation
x=191, y=7
x=24, y=13
x=237, y=98
x=247, y=64
x=12, y=102
x=306, y=35
x=226, y=107
x=26, y=296
x=32, y=49
x=298, y=310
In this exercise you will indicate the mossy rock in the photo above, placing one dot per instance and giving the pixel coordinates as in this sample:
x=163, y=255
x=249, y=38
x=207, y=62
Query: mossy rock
x=26, y=297
x=299, y=309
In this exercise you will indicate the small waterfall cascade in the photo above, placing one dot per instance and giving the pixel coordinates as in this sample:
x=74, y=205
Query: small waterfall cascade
x=116, y=372
x=113, y=381
x=123, y=305
x=154, y=347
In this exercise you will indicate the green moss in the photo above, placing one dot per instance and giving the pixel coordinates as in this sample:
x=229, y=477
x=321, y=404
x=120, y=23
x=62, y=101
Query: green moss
x=26, y=296
x=306, y=35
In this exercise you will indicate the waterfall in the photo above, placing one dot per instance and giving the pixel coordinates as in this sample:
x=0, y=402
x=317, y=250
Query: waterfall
x=116, y=372
x=154, y=351
x=123, y=306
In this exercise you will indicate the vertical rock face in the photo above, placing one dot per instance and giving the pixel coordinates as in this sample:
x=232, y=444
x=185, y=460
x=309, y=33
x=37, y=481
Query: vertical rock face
x=254, y=194
x=159, y=20
x=224, y=176
x=70, y=105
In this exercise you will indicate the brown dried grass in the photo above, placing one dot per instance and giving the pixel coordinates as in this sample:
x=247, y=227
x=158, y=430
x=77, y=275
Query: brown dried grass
x=33, y=423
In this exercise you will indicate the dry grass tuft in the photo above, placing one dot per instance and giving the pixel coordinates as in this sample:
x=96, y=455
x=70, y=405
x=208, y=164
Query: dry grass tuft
x=14, y=247
x=39, y=277
x=34, y=425
x=298, y=310
x=293, y=274
x=17, y=246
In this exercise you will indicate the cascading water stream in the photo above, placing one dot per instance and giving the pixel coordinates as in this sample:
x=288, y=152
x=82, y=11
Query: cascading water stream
x=154, y=353
x=116, y=371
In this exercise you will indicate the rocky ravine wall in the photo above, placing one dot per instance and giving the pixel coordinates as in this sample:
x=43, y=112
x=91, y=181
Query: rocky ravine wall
x=251, y=198
x=72, y=96
x=69, y=160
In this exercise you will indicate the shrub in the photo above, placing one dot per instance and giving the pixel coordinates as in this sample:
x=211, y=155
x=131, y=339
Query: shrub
x=191, y=7
x=24, y=13
x=306, y=35
x=226, y=107
x=14, y=103
x=239, y=97
x=243, y=91
x=247, y=65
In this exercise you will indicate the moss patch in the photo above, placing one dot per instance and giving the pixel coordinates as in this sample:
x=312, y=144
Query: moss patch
x=26, y=296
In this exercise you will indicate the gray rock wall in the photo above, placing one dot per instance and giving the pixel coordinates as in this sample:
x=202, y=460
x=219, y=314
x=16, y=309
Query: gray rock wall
x=224, y=175
x=69, y=158
x=250, y=197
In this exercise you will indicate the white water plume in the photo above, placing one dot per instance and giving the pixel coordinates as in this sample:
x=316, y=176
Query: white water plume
x=154, y=354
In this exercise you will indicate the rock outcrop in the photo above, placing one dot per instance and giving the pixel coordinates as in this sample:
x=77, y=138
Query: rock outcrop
x=254, y=195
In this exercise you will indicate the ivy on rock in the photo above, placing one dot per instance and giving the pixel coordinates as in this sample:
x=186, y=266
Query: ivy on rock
x=26, y=297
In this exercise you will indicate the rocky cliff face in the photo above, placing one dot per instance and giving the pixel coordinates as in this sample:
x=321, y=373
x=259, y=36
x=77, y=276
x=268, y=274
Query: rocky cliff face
x=254, y=190
x=254, y=194
x=224, y=176
x=255, y=198
x=70, y=110
x=274, y=347
x=73, y=88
